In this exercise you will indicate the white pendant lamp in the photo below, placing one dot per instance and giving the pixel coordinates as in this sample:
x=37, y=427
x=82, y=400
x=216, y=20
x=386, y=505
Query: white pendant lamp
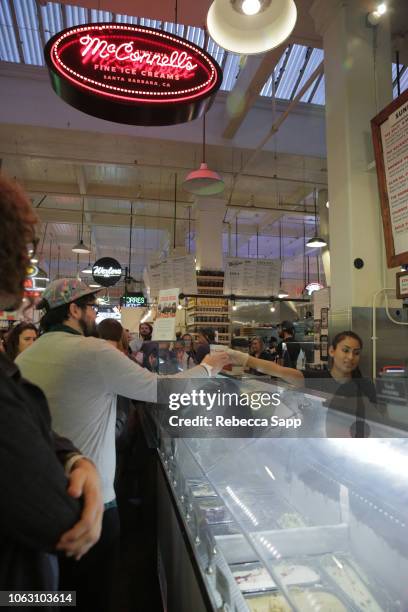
x=203, y=182
x=81, y=247
x=316, y=242
x=248, y=27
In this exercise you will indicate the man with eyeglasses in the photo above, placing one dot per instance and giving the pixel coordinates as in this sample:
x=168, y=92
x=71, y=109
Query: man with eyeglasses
x=81, y=378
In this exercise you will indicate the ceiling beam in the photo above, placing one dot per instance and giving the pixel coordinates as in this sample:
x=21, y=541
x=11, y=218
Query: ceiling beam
x=251, y=79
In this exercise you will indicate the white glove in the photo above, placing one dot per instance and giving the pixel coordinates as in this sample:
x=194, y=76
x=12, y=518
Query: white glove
x=237, y=358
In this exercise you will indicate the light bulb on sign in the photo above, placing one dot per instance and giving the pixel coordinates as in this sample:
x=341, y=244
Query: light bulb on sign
x=251, y=7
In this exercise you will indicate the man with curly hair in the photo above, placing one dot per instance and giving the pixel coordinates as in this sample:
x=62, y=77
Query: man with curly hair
x=43, y=476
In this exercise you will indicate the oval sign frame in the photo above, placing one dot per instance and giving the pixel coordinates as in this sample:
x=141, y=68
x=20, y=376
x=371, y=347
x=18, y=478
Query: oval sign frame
x=122, y=93
x=107, y=262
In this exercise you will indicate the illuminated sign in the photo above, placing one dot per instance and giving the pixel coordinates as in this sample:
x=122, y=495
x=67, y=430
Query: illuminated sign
x=133, y=300
x=132, y=74
x=312, y=287
x=106, y=271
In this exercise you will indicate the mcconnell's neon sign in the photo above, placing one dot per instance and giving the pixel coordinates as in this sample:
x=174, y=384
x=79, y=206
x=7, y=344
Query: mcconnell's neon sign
x=126, y=52
x=132, y=74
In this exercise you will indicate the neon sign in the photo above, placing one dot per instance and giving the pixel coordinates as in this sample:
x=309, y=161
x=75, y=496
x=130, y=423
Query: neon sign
x=132, y=74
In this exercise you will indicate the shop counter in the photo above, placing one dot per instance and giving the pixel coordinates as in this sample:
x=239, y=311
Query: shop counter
x=267, y=524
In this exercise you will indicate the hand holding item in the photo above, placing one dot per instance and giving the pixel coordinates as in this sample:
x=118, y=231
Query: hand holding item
x=84, y=482
x=217, y=360
x=238, y=358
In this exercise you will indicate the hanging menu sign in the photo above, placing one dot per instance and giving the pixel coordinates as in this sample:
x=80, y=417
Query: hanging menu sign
x=390, y=138
x=246, y=277
x=173, y=272
x=164, y=328
x=132, y=74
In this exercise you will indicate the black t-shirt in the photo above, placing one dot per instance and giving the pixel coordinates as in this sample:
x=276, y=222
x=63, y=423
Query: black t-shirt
x=291, y=353
x=356, y=398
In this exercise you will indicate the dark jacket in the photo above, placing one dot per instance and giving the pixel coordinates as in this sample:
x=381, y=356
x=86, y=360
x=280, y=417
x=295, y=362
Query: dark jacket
x=35, y=509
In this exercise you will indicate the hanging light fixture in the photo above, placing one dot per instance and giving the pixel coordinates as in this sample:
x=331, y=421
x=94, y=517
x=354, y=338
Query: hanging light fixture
x=281, y=293
x=80, y=247
x=251, y=26
x=316, y=241
x=203, y=182
x=88, y=267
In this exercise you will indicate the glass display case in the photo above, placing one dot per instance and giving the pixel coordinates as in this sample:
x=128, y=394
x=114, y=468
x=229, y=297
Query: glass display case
x=280, y=524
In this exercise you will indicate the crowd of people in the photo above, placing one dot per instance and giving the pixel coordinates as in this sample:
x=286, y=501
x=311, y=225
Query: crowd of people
x=60, y=523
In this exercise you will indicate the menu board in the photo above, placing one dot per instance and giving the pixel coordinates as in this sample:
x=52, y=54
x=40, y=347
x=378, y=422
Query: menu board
x=165, y=323
x=172, y=272
x=390, y=138
x=252, y=277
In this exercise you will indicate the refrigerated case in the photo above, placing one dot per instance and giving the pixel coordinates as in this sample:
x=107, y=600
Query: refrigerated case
x=279, y=524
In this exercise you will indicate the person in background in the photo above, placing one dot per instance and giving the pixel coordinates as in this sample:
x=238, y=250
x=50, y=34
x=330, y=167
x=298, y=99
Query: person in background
x=343, y=379
x=257, y=349
x=145, y=331
x=206, y=336
x=51, y=495
x=273, y=349
x=190, y=350
x=19, y=338
x=288, y=349
x=180, y=352
x=150, y=356
x=112, y=331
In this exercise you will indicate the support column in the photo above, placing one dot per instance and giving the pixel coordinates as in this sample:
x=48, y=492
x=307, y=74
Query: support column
x=209, y=227
x=358, y=85
x=324, y=231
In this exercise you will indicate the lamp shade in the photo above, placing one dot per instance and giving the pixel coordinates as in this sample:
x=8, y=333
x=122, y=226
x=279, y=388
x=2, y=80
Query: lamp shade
x=316, y=243
x=249, y=34
x=203, y=182
x=80, y=248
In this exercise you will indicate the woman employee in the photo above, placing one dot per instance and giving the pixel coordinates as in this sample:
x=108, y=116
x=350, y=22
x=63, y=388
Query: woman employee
x=343, y=379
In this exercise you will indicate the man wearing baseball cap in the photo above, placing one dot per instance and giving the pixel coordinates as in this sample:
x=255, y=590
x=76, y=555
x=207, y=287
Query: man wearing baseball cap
x=81, y=377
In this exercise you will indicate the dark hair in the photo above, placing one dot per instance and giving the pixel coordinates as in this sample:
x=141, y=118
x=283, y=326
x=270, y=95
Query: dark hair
x=149, y=349
x=110, y=329
x=12, y=339
x=208, y=334
x=148, y=325
x=342, y=336
x=17, y=230
x=57, y=316
x=346, y=334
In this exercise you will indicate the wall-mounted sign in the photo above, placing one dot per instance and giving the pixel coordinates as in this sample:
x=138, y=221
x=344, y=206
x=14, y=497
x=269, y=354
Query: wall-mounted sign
x=402, y=285
x=132, y=74
x=259, y=277
x=106, y=271
x=390, y=139
x=133, y=300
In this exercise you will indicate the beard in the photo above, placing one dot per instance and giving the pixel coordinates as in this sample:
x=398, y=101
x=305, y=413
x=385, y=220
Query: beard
x=88, y=327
